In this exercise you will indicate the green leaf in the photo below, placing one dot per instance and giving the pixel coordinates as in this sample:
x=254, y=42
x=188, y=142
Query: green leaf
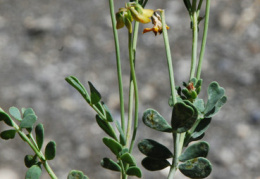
x=73, y=81
x=199, y=104
x=199, y=149
x=28, y=121
x=154, y=149
x=50, y=150
x=6, y=118
x=104, y=126
x=128, y=158
x=122, y=135
x=201, y=127
x=27, y=111
x=113, y=145
x=183, y=117
x=109, y=117
x=196, y=168
x=217, y=107
x=152, y=164
x=15, y=113
x=199, y=131
x=216, y=99
x=76, y=174
x=198, y=83
x=154, y=120
x=100, y=108
x=134, y=171
x=39, y=131
x=8, y=134
x=110, y=164
x=94, y=94
x=33, y=172
x=30, y=160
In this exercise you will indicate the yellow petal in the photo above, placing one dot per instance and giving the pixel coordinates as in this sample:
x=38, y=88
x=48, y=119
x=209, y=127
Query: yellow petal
x=148, y=12
x=139, y=17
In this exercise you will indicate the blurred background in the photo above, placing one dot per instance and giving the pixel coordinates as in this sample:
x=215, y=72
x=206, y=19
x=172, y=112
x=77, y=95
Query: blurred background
x=42, y=42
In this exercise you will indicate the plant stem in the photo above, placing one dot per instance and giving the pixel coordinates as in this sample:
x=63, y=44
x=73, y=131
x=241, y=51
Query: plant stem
x=169, y=58
x=36, y=151
x=199, y=7
x=131, y=91
x=175, y=135
x=173, y=169
x=195, y=39
x=204, y=38
x=119, y=71
x=132, y=66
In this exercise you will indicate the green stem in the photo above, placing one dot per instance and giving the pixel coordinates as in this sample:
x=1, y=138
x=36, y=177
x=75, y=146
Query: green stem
x=176, y=136
x=132, y=42
x=199, y=7
x=36, y=151
x=132, y=66
x=204, y=38
x=194, y=40
x=169, y=58
x=123, y=174
x=131, y=91
x=173, y=169
x=119, y=71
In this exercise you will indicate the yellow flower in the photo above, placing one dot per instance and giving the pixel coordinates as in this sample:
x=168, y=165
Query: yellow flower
x=140, y=14
x=132, y=11
x=157, y=22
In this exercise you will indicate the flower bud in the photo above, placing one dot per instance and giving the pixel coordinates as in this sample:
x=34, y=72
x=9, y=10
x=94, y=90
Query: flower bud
x=128, y=23
x=120, y=20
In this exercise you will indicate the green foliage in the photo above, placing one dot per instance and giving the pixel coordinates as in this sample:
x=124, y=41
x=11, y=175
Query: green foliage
x=122, y=135
x=29, y=118
x=154, y=120
x=94, y=94
x=128, y=158
x=110, y=164
x=199, y=149
x=154, y=149
x=30, y=160
x=196, y=168
x=199, y=131
x=76, y=174
x=134, y=171
x=34, y=172
x=8, y=134
x=39, y=131
x=104, y=126
x=152, y=164
x=73, y=81
x=183, y=117
x=109, y=117
x=113, y=145
x=216, y=99
x=6, y=118
x=50, y=150
x=15, y=113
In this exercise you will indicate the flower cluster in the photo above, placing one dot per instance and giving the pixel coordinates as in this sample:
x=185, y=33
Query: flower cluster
x=132, y=11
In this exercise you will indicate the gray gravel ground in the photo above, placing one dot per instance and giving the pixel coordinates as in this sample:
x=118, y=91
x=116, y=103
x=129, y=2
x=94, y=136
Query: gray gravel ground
x=42, y=42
